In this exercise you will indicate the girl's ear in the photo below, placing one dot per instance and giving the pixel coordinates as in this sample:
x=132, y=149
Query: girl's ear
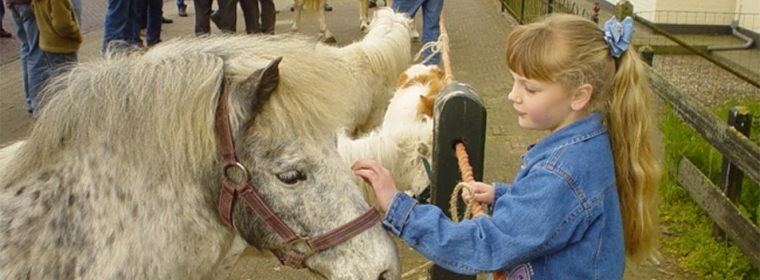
x=582, y=97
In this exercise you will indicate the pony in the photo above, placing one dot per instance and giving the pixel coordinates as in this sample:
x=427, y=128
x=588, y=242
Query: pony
x=403, y=141
x=317, y=6
x=136, y=163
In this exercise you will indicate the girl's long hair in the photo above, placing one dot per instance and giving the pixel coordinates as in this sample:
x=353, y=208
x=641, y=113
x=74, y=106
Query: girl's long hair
x=570, y=50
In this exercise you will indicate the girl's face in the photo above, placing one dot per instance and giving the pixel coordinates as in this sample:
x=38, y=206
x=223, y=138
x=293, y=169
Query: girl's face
x=542, y=105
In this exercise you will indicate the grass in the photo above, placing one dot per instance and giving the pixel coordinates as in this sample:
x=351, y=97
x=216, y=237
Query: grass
x=687, y=229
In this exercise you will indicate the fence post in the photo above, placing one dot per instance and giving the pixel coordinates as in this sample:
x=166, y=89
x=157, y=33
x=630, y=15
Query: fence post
x=647, y=54
x=623, y=9
x=550, y=6
x=731, y=177
x=459, y=117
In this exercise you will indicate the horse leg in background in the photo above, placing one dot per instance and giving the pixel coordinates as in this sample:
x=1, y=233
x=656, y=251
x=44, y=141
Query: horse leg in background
x=415, y=34
x=363, y=11
x=297, y=8
x=327, y=36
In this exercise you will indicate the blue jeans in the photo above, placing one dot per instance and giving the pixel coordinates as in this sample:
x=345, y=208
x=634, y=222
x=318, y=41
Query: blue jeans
x=121, y=18
x=431, y=11
x=55, y=63
x=181, y=4
x=150, y=17
x=78, y=10
x=33, y=65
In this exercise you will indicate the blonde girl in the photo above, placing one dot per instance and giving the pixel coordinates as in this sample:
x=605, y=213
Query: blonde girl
x=585, y=198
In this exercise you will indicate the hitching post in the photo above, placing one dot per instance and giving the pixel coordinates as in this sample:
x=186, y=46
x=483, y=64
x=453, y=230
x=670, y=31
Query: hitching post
x=459, y=117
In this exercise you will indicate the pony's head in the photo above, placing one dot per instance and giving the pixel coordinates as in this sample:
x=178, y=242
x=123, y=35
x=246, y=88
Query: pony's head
x=427, y=80
x=409, y=118
x=415, y=143
x=151, y=118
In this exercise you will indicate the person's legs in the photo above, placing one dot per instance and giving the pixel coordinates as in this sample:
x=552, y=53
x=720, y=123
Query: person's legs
x=431, y=29
x=226, y=17
x=3, y=33
x=78, y=10
x=408, y=7
x=118, y=22
x=56, y=64
x=182, y=8
x=33, y=63
x=250, y=15
x=202, y=16
x=139, y=22
x=153, y=29
x=268, y=16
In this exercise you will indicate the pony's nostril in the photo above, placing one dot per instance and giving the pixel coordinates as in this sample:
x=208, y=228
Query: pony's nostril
x=385, y=275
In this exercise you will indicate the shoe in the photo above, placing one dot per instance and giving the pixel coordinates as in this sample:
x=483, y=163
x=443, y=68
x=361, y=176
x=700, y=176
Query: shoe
x=373, y=4
x=150, y=44
x=328, y=8
x=166, y=20
x=182, y=11
x=4, y=34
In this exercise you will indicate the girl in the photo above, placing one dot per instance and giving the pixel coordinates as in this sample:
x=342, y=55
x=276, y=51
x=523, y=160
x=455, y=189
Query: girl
x=585, y=197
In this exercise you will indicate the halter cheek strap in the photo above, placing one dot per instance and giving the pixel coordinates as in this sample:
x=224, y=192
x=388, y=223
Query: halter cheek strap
x=232, y=189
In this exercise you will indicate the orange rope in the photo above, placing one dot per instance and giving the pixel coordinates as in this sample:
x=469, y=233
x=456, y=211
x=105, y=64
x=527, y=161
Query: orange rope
x=467, y=177
x=461, y=152
x=445, y=51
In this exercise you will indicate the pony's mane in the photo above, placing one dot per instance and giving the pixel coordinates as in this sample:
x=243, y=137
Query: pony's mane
x=135, y=104
x=381, y=57
x=147, y=109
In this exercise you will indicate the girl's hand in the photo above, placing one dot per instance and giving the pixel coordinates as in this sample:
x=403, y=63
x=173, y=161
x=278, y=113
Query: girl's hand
x=484, y=193
x=378, y=177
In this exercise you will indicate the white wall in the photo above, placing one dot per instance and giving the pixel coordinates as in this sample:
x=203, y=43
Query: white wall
x=751, y=15
x=712, y=12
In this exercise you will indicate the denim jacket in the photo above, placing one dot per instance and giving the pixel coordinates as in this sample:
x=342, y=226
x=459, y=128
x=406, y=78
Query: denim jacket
x=559, y=219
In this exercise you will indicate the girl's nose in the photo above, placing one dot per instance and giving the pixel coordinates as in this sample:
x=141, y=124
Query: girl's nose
x=512, y=96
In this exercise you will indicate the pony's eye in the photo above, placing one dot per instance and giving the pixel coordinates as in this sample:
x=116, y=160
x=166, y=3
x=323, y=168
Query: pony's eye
x=291, y=177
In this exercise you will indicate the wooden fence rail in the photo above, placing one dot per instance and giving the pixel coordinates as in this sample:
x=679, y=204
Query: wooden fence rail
x=734, y=146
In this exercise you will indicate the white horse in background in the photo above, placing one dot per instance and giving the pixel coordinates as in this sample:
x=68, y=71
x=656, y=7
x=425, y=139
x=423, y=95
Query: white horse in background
x=404, y=140
x=316, y=6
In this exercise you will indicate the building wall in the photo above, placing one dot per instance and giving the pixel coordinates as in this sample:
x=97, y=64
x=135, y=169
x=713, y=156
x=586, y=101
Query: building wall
x=750, y=15
x=699, y=12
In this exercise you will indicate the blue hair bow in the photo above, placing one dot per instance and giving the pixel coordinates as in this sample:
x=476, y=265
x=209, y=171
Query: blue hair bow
x=618, y=35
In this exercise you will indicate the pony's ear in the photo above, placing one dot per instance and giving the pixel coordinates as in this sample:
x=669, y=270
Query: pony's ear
x=261, y=83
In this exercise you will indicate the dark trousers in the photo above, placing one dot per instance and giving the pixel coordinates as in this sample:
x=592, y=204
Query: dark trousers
x=150, y=19
x=202, y=16
x=227, y=15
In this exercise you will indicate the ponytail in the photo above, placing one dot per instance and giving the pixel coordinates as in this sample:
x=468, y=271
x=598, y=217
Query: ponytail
x=632, y=127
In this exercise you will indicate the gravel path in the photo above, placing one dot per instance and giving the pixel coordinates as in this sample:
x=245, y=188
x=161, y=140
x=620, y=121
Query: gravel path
x=707, y=83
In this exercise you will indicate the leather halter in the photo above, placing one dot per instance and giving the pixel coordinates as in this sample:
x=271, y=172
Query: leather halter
x=231, y=189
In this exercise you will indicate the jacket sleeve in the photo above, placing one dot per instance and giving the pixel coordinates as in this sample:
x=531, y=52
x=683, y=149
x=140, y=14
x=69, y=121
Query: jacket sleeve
x=63, y=20
x=533, y=218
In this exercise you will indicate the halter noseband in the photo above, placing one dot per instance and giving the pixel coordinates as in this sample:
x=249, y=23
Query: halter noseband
x=231, y=189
